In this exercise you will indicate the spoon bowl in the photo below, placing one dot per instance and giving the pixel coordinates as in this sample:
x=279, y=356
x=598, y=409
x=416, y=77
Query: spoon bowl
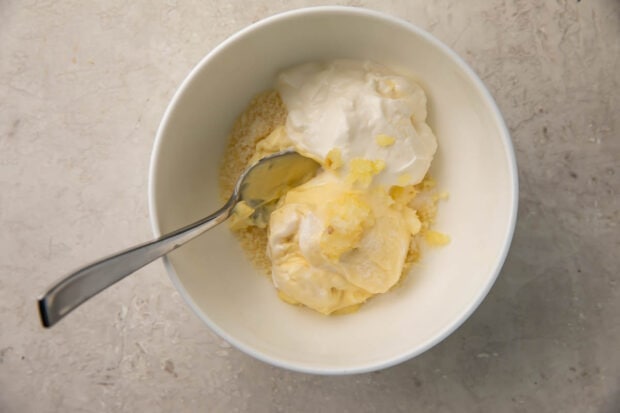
x=474, y=164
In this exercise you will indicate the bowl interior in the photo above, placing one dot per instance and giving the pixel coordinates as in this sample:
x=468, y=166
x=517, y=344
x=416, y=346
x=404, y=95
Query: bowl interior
x=474, y=164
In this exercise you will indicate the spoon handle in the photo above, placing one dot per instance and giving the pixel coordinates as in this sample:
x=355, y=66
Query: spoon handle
x=79, y=286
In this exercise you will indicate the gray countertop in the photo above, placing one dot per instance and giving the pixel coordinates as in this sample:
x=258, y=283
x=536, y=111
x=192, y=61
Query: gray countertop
x=83, y=86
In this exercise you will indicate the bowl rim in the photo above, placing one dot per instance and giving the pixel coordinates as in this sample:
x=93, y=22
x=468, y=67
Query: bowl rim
x=507, y=145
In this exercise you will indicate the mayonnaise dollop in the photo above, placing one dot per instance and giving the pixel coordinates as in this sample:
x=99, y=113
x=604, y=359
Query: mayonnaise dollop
x=363, y=110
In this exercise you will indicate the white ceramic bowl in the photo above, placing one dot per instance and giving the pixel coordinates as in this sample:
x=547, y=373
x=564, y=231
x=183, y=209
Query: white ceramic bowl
x=475, y=164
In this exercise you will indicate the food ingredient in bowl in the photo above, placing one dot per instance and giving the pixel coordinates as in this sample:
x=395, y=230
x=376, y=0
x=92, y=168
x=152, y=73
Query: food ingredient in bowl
x=350, y=232
x=362, y=109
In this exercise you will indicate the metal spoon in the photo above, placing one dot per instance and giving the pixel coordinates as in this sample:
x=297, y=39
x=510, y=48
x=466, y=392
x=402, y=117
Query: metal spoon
x=265, y=181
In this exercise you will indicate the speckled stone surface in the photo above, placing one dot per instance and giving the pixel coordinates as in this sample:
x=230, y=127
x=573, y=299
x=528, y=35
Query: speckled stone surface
x=83, y=86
